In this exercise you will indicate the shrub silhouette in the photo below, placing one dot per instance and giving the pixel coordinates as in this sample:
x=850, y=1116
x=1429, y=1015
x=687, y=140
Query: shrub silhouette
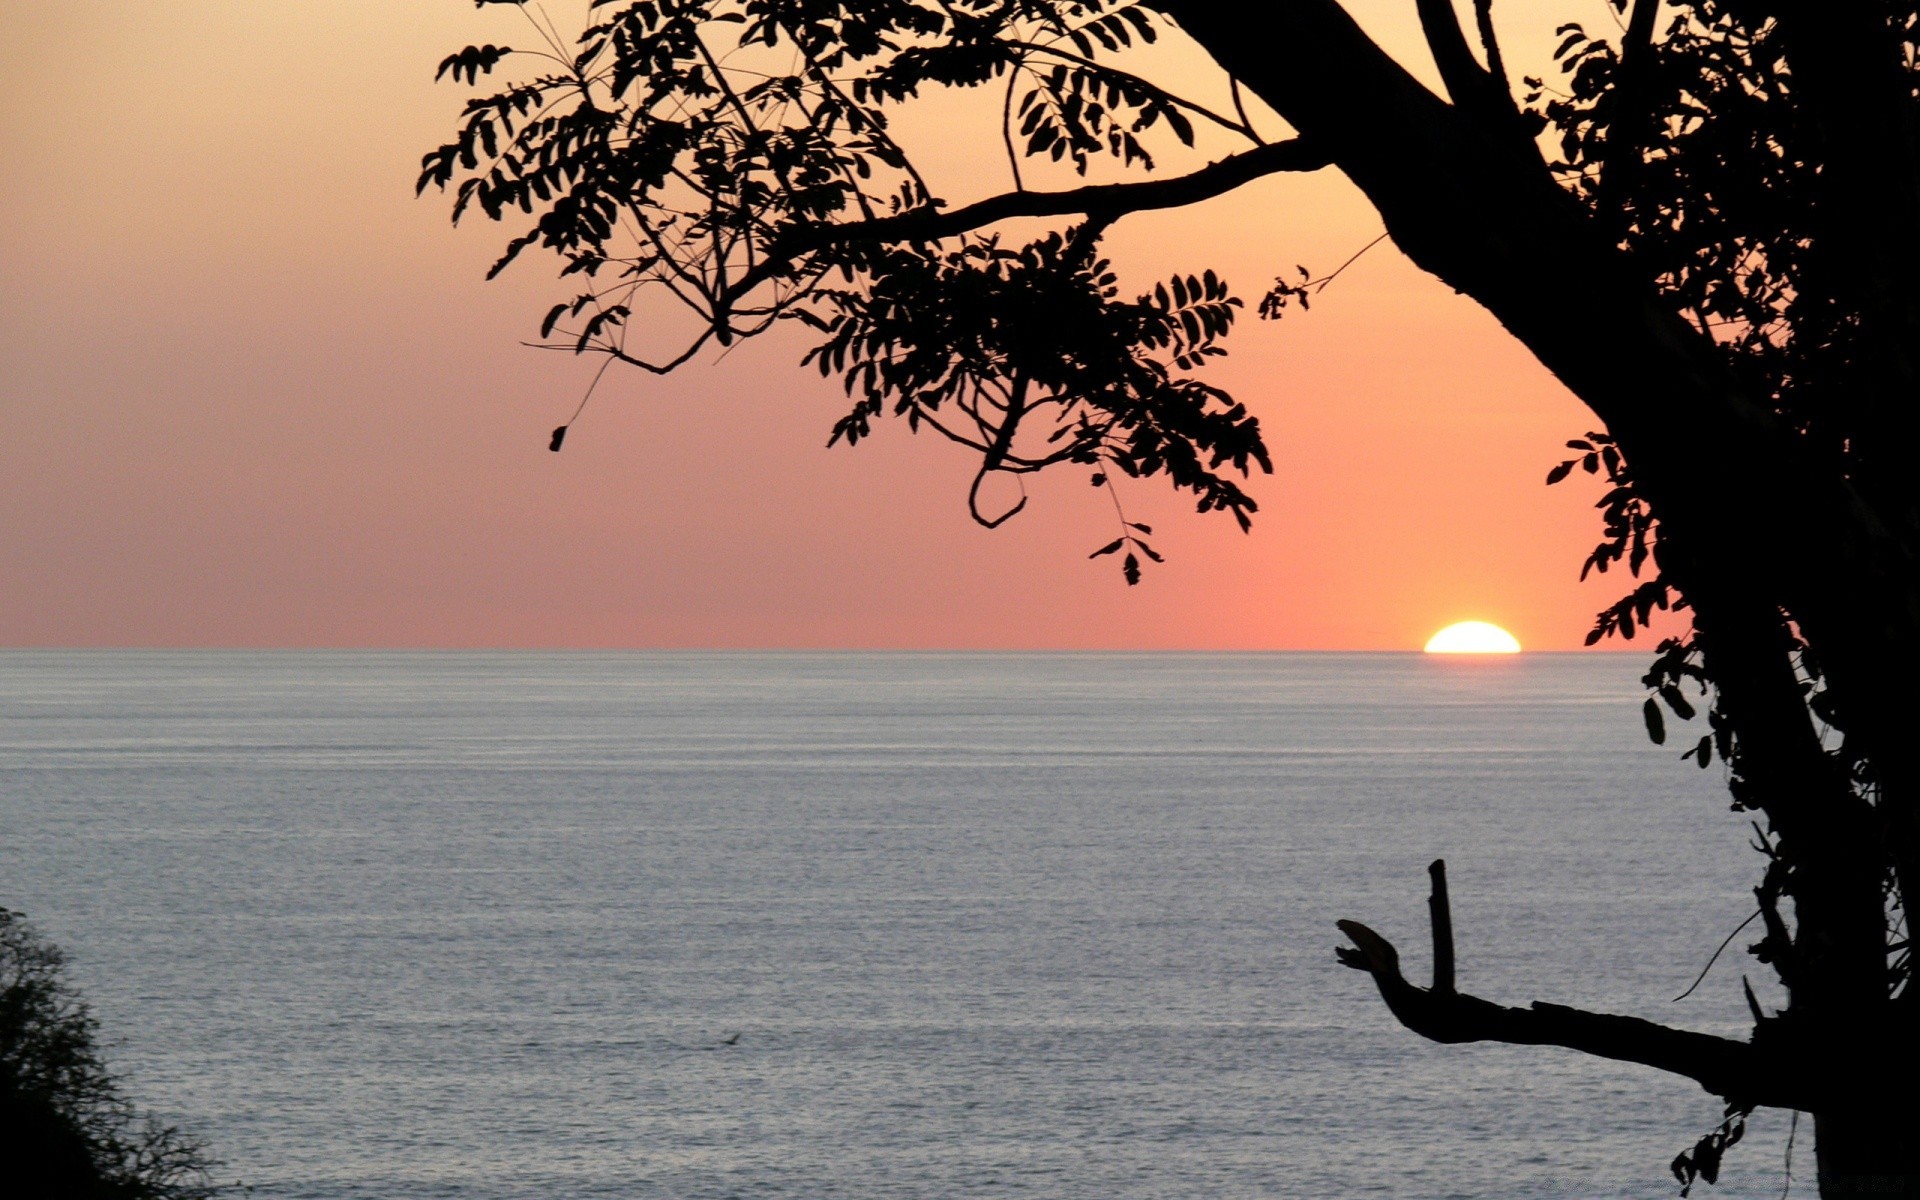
x=66, y=1131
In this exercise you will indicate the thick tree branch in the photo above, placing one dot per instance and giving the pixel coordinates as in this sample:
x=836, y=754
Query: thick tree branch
x=1106, y=200
x=1466, y=81
x=1738, y=1071
x=1490, y=45
x=1483, y=93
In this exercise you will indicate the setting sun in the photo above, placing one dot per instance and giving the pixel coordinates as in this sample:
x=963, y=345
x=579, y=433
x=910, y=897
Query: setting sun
x=1473, y=637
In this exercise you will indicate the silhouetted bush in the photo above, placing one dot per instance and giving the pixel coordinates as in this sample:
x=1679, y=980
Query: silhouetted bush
x=66, y=1132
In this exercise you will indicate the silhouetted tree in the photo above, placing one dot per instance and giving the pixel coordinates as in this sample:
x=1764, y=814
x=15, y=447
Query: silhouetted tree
x=1706, y=230
x=66, y=1132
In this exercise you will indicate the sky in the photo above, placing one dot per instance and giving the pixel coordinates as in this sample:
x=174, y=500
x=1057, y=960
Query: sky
x=256, y=394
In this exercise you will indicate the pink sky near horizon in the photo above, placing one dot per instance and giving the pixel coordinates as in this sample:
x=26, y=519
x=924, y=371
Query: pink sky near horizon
x=257, y=395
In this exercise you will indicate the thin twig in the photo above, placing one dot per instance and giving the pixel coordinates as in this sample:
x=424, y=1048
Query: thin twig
x=1320, y=285
x=1240, y=108
x=1716, y=956
x=1006, y=127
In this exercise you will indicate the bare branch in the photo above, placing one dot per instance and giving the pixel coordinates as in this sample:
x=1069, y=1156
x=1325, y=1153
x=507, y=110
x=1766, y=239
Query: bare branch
x=1490, y=45
x=1739, y=1071
x=1481, y=92
x=973, y=503
x=666, y=368
x=1463, y=75
x=1440, y=910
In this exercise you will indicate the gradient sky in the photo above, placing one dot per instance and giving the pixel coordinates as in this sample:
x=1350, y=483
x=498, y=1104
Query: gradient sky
x=257, y=395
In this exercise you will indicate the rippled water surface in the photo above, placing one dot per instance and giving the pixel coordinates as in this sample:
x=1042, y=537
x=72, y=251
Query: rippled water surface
x=876, y=926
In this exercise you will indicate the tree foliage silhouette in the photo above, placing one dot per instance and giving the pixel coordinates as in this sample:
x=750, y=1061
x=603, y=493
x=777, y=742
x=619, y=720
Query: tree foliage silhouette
x=1707, y=226
x=66, y=1131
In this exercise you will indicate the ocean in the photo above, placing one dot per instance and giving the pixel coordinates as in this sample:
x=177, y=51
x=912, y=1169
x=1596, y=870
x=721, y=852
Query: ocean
x=878, y=926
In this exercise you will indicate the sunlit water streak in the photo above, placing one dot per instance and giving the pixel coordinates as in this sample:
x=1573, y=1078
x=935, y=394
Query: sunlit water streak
x=478, y=925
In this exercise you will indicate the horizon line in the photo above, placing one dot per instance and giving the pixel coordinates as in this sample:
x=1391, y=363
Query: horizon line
x=155, y=648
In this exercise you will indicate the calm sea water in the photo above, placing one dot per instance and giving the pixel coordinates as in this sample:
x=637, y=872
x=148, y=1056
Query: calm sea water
x=412, y=926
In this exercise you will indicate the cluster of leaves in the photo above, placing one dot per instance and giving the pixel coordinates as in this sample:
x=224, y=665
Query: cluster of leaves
x=725, y=154
x=1688, y=149
x=1627, y=522
x=1703, y=1160
x=65, y=1128
x=1630, y=536
x=645, y=152
x=1692, y=151
x=1073, y=111
x=679, y=139
x=984, y=341
x=1284, y=292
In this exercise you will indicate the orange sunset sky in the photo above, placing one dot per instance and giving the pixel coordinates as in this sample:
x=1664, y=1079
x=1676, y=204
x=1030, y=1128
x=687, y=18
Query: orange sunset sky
x=255, y=394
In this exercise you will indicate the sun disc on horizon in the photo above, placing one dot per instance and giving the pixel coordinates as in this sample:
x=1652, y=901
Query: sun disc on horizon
x=1473, y=637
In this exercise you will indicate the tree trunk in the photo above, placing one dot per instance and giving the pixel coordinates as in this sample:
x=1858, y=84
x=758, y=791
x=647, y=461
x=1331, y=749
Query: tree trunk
x=1754, y=531
x=1869, y=1152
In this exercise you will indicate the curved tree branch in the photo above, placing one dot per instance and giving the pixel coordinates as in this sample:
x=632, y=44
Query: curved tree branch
x=1739, y=1071
x=1106, y=200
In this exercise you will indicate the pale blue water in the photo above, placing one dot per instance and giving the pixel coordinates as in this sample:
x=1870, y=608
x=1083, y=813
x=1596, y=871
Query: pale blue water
x=475, y=925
